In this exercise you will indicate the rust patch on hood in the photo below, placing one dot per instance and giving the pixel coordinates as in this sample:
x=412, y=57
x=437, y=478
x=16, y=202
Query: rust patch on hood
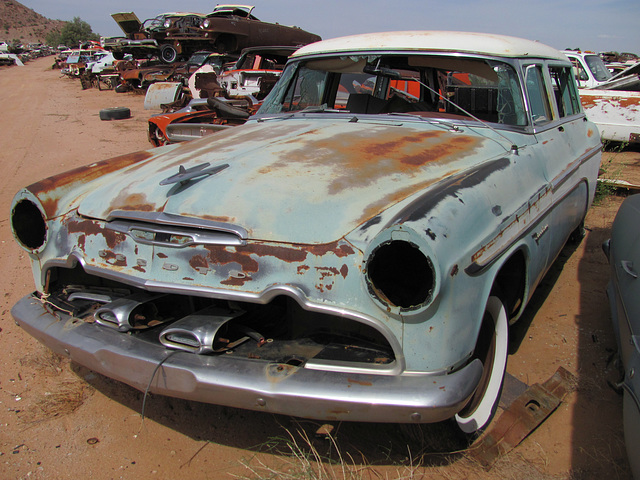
x=136, y=202
x=91, y=227
x=364, y=157
x=44, y=188
x=247, y=256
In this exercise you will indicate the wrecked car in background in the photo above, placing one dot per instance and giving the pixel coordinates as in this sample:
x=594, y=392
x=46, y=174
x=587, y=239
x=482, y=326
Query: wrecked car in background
x=232, y=28
x=615, y=112
x=256, y=71
x=623, y=290
x=612, y=102
x=227, y=29
x=355, y=251
x=155, y=36
x=200, y=117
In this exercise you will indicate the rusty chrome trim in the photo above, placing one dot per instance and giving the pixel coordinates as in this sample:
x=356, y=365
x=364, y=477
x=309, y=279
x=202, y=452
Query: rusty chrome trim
x=476, y=268
x=558, y=181
x=397, y=397
x=162, y=235
x=178, y=221
x=262, y=298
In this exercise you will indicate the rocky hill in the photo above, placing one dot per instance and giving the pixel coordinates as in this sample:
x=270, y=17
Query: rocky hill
x=20, y=23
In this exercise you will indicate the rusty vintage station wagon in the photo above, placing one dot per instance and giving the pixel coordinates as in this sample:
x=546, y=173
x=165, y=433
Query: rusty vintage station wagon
x=355, y=251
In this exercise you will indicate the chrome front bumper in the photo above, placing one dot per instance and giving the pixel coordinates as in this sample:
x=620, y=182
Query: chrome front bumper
x=250, y=383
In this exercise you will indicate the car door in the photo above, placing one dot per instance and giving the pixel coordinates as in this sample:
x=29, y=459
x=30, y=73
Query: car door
x=561, y=133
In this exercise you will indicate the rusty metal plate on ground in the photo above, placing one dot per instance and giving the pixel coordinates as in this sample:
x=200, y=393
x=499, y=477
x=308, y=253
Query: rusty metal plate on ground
x=521, y=417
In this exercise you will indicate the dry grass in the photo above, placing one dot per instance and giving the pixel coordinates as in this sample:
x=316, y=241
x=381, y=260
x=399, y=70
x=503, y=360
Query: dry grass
x=70, y=396
x=44, y=361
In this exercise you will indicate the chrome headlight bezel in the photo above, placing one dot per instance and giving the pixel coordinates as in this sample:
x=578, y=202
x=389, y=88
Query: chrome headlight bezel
x=400, y=271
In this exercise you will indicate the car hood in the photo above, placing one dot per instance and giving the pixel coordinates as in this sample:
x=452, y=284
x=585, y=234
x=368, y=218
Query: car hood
x=297, y=180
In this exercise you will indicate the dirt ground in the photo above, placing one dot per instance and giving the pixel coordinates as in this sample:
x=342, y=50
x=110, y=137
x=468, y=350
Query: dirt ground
x=59, y=420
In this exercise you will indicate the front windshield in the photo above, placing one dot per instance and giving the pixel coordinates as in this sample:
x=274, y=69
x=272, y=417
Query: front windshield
x=415, y=84
x=598, y=68
x=153, y=24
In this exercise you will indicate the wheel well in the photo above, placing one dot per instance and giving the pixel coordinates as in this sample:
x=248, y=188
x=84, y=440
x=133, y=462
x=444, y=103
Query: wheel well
x=510, y=283
x=226, y=43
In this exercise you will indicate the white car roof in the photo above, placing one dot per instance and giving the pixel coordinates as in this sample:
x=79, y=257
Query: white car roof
x=438, y=41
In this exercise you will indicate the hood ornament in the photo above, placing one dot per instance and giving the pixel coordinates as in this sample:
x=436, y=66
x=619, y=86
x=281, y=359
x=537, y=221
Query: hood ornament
x=185, y=175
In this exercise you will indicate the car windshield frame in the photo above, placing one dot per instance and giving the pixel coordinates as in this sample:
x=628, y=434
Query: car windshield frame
x=486, y=88
x=598, y=68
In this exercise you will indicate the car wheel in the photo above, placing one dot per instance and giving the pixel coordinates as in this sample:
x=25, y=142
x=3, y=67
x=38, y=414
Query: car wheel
x=115, y=113
x=492, y=349
x=168, y=53
x=156, y=137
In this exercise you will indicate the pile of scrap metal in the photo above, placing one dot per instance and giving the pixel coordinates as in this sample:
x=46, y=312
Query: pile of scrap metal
x=10, y=59
x=219, y=99
x=19, y=54
x=201, y=117
x=73, y=62
x=611, y=101
x=175, y=36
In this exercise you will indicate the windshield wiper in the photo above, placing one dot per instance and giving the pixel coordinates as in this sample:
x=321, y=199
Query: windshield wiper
x=395, y=75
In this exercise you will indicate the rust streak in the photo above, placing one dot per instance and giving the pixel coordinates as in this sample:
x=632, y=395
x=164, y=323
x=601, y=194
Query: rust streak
x=44, y=189
x=360, y=382
x=198, y=262
x=363, y=158
x=344, y=271
x=92, y=227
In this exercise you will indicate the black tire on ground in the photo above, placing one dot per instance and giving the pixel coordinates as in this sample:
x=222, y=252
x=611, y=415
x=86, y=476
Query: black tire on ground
x=168, y=53
x=115, y=113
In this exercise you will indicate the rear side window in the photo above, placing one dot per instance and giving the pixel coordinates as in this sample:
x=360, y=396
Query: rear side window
x=538, y=99
x=565, y=91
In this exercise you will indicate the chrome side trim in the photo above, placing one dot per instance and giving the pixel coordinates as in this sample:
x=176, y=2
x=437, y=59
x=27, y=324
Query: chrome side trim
x=184, y=132
x=558, y=181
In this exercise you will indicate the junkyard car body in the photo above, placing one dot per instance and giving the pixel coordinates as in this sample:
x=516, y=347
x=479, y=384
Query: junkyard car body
x=232, y=28
x=623, y=251
x=100, y=62
x=354, y=251
x=612, y=102
x=154, y=35
x=200, y=117
x=256, y=71
x=591, y=72
x=227, y=29
x=615, y=112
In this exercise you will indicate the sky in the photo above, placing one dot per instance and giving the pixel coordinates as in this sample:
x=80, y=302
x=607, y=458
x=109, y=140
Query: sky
x=597, y=25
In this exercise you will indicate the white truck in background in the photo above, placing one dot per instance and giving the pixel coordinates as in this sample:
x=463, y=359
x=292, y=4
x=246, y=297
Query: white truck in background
x=612, y=102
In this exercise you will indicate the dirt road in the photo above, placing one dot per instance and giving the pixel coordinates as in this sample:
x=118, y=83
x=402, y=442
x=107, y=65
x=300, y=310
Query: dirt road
x=59, y=420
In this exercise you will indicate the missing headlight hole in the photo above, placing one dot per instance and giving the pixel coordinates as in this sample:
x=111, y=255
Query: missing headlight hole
x=401, y=275
x=29, y=225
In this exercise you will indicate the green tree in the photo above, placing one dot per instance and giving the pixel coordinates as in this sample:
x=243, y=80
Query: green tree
x=72, y=34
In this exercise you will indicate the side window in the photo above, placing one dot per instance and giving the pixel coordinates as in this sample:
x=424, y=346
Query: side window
x=306, y=91
x=564, y=90
x=580, y=72
x=537, y=93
